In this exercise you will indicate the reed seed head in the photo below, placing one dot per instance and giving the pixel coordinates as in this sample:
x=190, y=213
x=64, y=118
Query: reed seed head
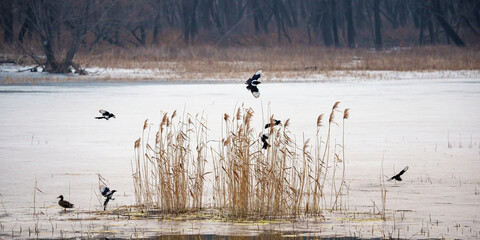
x=145, y=124
x=319, y=120
x=346, y=113
x=335, y=106
x=330, y=119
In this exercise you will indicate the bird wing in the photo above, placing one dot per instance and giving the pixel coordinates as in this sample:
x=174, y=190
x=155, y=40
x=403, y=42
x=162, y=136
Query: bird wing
x=254, y=90
x=104, y=190
x=105, y=203
x=257, y=75
x=104, y=112
x=403, y=171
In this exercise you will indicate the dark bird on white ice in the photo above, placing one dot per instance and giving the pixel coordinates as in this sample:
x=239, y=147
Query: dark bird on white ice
x=264, y=140
x=274, y=122
x=64, y=204
x=253, y=82
x=397, y=177
x=105, y=114
x=107, y=194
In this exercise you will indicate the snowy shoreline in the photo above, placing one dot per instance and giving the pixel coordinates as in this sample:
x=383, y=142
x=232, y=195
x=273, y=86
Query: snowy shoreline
x=11, y=74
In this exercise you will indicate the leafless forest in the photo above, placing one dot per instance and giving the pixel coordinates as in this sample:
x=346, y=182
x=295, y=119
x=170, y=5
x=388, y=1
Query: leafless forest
x=51, y=32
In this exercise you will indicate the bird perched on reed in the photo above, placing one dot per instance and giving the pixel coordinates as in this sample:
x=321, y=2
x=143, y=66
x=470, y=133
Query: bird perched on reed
x=397, y=177
x=105, y=115
x=253, y=82
x=63, y=203
x=274, y=123
x=107, y=194
x=264, y=140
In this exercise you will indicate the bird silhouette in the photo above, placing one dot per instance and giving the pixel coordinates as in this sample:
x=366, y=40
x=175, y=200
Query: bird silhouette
x=264, y=140
x=107, y=194
x=274, y=122
x=105, y=114
x=397, y=177
x=253, y=82
x=63, y=203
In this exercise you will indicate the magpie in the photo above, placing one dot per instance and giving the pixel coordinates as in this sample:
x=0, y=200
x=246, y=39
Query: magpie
x=64, y=204
x=253, y=82
x=264, y=140
x=275, y=123
x=105, y=114
x=397, y=177
x=107, y=194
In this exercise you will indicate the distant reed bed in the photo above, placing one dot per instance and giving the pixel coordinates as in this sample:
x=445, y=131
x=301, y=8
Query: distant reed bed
x=173, y=167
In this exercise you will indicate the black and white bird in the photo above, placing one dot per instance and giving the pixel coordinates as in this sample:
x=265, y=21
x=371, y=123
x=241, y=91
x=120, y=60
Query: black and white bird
x=105, y=114
x=274, y=122
x=264, y=140
x=107, y=194
x=64, y=204
x=253, y=82
x=397, y=177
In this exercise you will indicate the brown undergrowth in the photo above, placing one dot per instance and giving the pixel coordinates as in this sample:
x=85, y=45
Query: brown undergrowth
x=224, y=60
x=286, y=180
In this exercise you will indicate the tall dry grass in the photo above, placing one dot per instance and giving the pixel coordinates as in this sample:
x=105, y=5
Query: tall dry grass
x=288, y=179
x=170, y=175
x=209, y=60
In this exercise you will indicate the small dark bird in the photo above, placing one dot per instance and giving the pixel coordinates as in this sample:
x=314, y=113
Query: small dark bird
x=105, y=114
x=108, y=194
x=275, y=123
x=253, y=82
x=64, y=204
x=264, y=140
x=397, y=177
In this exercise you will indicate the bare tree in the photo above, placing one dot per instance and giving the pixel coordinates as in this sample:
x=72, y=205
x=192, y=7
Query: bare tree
x=440, y=15
x=57, y=21
x=6, y=12
x=350, y=26
x=378, y=25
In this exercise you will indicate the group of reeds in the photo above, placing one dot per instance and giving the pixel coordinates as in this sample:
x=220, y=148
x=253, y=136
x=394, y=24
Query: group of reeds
x=288, y=179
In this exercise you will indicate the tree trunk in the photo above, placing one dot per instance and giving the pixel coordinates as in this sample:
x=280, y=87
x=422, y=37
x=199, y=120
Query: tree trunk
x=422, y=25
x=334, y=23
x=451, y=34
x=350, y=26
x=7, y=19
x=378, y=25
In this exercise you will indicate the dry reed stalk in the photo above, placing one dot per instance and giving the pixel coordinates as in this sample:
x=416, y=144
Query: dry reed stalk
x=169, y=175
x=346, y=115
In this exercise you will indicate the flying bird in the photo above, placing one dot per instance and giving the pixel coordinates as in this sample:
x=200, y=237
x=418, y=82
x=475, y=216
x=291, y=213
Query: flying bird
x=64, y=204
x=275, y=123
x=264, y=140
x=105, y=114
x=397, y=177
x=253, y=82
x=107, y=194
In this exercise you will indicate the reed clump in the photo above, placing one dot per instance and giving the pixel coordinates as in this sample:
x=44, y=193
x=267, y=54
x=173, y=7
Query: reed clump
x=250, y=179
x=169, y=175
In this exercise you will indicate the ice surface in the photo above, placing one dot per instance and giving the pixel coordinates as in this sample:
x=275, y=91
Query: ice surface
x=48, y=134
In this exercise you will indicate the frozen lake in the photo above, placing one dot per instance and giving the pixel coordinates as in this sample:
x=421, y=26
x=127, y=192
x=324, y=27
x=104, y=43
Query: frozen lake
x=48, y=134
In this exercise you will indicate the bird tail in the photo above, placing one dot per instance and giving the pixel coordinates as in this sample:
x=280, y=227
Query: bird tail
x=105, y=204
x=99, y=117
